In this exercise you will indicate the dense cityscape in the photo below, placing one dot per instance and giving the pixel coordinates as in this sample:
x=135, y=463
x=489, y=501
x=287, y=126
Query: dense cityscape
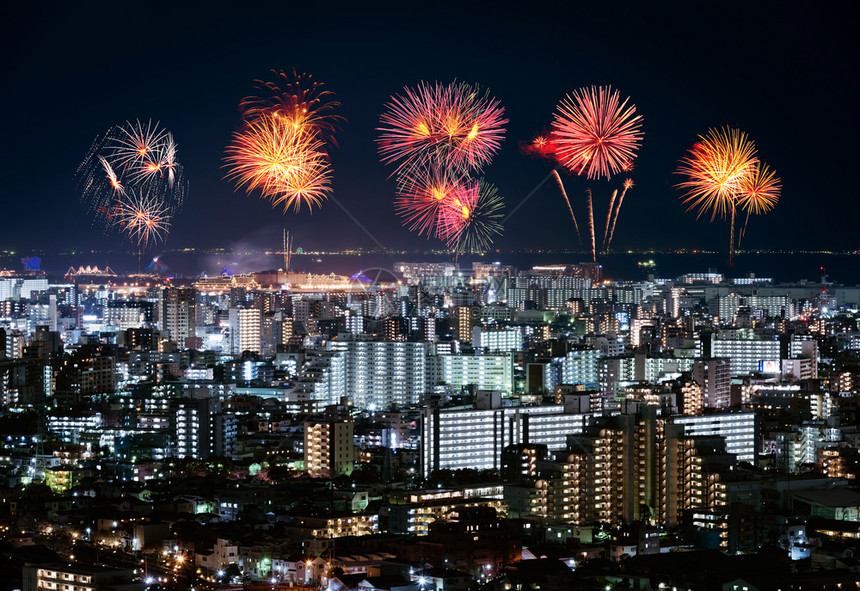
x=444, y=296
x=430, y=427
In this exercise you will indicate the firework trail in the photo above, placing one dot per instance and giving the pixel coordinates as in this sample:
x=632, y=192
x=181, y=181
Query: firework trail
x=567, y=201
x=717, y=168
x=627, y=184
x=285, y=162
x=590, y=210
x=543, y=147
x=608, y=215
x=595, y=132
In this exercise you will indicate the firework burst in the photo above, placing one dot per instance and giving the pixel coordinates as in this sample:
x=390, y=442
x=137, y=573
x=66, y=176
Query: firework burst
x=285, y=162
x=596, y=134
x=723, y=174
x=759, y=193
x=457, y=125
x=455, y=213
x=142, y=217
x=759, y=190
x=715, y=168
x=134, y=157
x=483, y=223
x=299, y=99
x=421, y=196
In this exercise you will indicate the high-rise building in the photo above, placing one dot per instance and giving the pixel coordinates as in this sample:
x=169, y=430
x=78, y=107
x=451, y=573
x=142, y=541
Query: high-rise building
x=372, y=374
x=200, y=430
x=245, y=330
x=458, y=438
x=465, y=319
x=179, y=313
x=714, y=376
x=329, y=447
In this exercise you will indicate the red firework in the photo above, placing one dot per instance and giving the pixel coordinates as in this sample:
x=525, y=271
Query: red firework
x=423, y=195
x=596, y=133
x=456, y=125
x=456, y=212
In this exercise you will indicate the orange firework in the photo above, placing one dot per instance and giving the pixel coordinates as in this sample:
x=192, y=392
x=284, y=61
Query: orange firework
x=715, y=168
x=285, y=162
x=299, y=99
x=759, y=190
x=723, y=173
x=759, y=193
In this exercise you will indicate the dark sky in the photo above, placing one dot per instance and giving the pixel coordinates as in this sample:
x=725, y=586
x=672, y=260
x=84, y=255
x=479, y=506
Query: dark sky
x=784, y=75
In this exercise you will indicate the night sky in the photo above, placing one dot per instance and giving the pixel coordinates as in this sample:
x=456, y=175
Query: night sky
x=786, y=76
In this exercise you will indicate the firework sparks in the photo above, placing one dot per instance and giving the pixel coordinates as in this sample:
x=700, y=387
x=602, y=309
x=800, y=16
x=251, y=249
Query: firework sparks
x=455, y=213
x=111, y=175
x=723, y=173
x=299, y=99
x=715, y=168
x=137, y=156
x=483, y=223
x=285, y=162
x=144, y=218
x=759, y=190
x=596, y=133
x=759, y=193
x=422, y=195
x=457, y=125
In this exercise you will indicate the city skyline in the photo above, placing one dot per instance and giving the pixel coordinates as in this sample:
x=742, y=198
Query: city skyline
x=686, y=69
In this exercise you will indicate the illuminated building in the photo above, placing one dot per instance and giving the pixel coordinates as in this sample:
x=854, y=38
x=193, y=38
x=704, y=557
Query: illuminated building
x=739, y=429
x=635, y=467
x=457, y=438
x=179, y=313
x=372, y=374
x=465, y=319
x=714, y=377
x=245, y=331
x=483, y=372
x=693, y=399
x=129, y=314
x=412, y=512
x=494, y=340
x=745, y=354
x=377, y=374
x=334, y=526
x=582, y=366
x=414, y=271
x=329, y=448
x=68, y=576
x=774, y=306
x=200, y=430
